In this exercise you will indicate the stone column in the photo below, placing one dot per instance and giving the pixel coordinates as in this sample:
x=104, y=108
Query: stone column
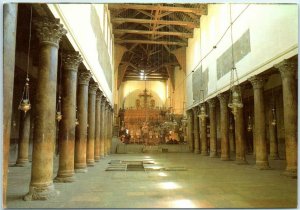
x=110, y=115
x=190, y=130
x=102, y=124
x=213, y=127
x=106, y=129
x=196, y=131
x=9, y=47
x=288, y=70
x=91, y=124
x=273, y=137
x=225, y=152
x=71, y=61
x=23, y=144
x=231, y=134
x=81, y=128
x=259, y=122
x=41, y=186
x=203, y=136
x=97, y=125
x=240, y=153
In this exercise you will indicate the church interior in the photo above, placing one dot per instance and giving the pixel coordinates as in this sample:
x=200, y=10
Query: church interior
x=150, y=105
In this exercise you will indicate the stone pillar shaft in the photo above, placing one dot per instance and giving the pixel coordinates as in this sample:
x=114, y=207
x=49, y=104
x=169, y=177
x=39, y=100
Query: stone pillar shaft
x=196, y=131
x=97, y=126
x=288, y=71
x=24, y=134
x=190, y=130
x=225, y=153
x=9, y=46
x=41, y=187
x=240, y=153
x=81, y=128
x=91, y=122
x=102, y=124
x=71, y=61
x=203, y=136
x=273, y=137
x=259, y=122
x=213, y=127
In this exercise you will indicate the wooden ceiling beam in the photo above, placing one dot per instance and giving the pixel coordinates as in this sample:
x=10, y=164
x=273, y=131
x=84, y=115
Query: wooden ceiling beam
x=120, y=41
x=164, y=33
x=159, y=22
x=197, y=11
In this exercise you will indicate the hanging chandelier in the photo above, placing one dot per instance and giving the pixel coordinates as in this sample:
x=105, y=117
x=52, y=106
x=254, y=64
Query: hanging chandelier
x=202, y=113
x=249, y=124
x=230, y=123
x=58, y=112
x=273, y=110
x=58, y=106
x=235, y=98
x=25, y=105
x=76, y=120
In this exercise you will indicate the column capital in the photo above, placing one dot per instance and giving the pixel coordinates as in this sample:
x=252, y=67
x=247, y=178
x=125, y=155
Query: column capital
x=93, y=86
x=103, y=100
x=212, y=102
x=287, y=68
x=223, y=97
x=257, y=81
x=195, y=109
x=84, y=77
x=99, y=94
x=71, y=60
x=49, y=31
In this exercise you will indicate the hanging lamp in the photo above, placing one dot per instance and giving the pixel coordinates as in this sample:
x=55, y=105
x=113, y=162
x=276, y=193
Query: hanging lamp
x=249, y=124
x=58, y=106
x=202, y=115
x=25, y=105
x=273, y=110
x=235, y=98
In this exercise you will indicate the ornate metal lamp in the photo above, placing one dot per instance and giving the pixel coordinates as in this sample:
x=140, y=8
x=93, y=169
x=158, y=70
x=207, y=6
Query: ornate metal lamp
x=58, y=110
x=25, y=102
x=58, y=106
x=235, y=99
x=76, y=120
x=249, y=124
x=273, y=110
x=202, y=112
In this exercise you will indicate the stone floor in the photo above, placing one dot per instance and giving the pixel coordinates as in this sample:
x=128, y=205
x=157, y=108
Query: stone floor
x=207, y=183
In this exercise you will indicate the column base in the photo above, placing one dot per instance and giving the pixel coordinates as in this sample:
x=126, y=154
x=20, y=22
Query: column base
x=241, y=162
x=97, y=158
x=197, y=151
x=204, y=153
x=213, y=154
x=274, y=157
x=262, y=165
x=225, y=158
x=64, y=179
x=102, y=156
x=90, y=163
x=21, y=163
x=81, y=170
x=41, y=193
x=290, y=173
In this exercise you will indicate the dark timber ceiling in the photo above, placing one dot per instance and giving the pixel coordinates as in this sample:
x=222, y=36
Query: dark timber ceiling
x=151, y=33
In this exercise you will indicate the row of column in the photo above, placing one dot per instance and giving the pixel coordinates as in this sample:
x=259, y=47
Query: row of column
x=79, y=145
x=287, y=70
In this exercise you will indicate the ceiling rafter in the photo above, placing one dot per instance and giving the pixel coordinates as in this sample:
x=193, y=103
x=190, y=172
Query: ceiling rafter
x=161, y=22
x=197, y=11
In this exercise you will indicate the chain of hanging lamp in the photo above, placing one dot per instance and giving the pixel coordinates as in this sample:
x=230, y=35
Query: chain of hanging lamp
x=25, y=101
x=235, y=99
x=202, y=112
